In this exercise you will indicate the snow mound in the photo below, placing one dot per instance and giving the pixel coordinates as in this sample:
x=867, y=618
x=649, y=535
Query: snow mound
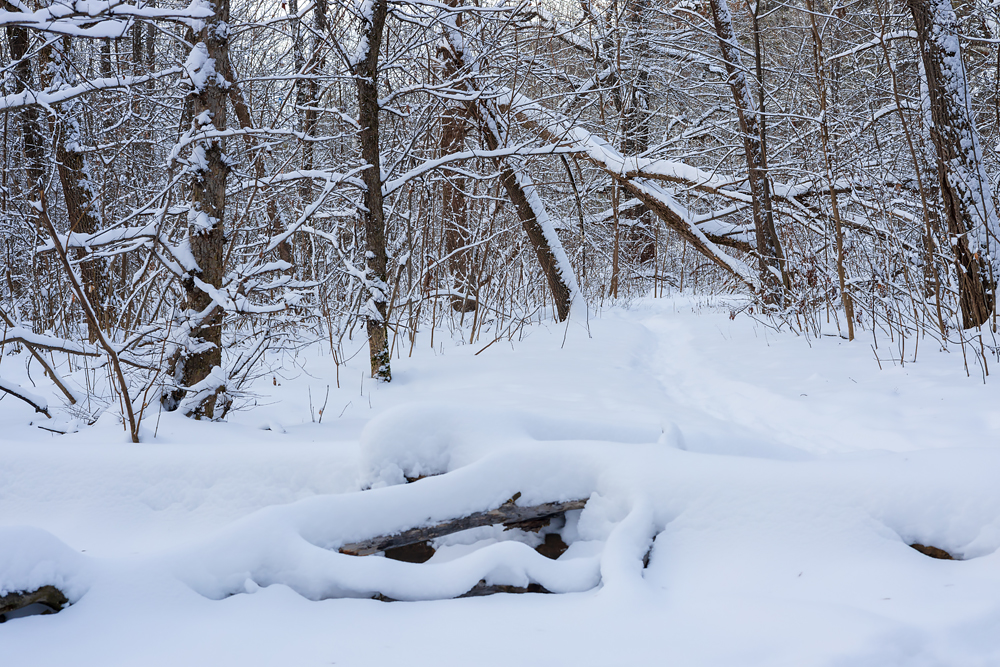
x=425, y=438
x=31, y=558
x=296, y=545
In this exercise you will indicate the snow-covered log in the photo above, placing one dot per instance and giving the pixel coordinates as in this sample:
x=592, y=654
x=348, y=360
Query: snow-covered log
x=509, y=514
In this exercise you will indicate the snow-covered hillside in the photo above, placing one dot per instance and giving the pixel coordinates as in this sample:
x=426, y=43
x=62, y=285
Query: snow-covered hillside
x=777, y=479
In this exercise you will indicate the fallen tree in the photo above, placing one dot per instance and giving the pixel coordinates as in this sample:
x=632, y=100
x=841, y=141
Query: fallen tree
x=531, y=518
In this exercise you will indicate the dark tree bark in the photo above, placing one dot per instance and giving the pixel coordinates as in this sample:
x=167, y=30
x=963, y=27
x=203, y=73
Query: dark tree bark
x=50, y=596
x=376, y=262
x=772, y=262
x=306, y=102
x=206, y=220
x=453, y=200
x=965, y=189
x=635, y=111
x=520, y=192
x=31, y=135
x=79, y=190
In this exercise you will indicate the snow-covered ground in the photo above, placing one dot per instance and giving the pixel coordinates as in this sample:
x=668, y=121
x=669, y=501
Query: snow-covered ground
x=779, y=480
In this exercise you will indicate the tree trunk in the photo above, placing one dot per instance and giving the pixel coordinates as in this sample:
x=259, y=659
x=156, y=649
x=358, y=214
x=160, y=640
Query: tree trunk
x=453, y=200
x=772, y=262
x=965, y=188
x=376, y=258
x=819, y=64
x=79, y=191
x=206, y=221
x=31, y=136
x=521, y=192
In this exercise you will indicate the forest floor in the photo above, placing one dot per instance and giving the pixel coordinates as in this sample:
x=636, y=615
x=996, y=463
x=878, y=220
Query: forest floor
x=778, y=478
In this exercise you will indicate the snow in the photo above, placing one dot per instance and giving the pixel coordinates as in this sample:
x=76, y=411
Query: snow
x=778, y=480
x=200, y=69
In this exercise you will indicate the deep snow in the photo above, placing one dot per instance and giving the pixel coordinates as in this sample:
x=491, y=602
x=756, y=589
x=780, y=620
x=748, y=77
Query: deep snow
x=779, y=480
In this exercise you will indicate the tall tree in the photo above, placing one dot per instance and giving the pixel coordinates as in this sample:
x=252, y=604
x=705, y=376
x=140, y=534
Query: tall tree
x=80, y=192
x=964, y=185
x=197, y=365
x=365, y=69
x=772, y=262
x=454, y=119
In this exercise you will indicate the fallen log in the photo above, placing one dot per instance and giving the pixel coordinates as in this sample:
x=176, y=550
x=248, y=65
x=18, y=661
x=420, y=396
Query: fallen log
x=483, y=589
x=49, y=596
x=509, y=514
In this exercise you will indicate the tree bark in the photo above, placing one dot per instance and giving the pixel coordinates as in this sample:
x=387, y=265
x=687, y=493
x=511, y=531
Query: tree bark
x=31, y=135
x=521, y=192
x=965, y=188
x=376, y=257
x=50, y=596
x=772, y=263
x=819, y=64
x=83, y=210
x=509, y=514
x=453, y=200
x=206, y=216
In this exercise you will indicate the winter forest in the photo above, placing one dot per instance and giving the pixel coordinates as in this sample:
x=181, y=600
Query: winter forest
x=665, y=326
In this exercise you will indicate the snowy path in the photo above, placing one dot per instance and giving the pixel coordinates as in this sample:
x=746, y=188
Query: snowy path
x=782, y=484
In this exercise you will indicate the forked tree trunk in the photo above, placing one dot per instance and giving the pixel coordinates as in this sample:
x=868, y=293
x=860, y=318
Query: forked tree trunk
x=307, y=103
x=635, y=118
x=635, y=112
x=965, y=188
x=772, y=262
x=242, y=111
x=376, y=258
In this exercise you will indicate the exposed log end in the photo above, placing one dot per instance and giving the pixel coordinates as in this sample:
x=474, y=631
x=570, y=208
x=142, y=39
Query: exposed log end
x=553, y=546
x=420, y=552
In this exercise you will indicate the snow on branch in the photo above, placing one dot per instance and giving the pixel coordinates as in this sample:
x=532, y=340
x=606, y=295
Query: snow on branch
x=22, y=335
x=637, y=176
x=889, y=36
x=101, y=19
x=29, y=98
x=34, y=400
